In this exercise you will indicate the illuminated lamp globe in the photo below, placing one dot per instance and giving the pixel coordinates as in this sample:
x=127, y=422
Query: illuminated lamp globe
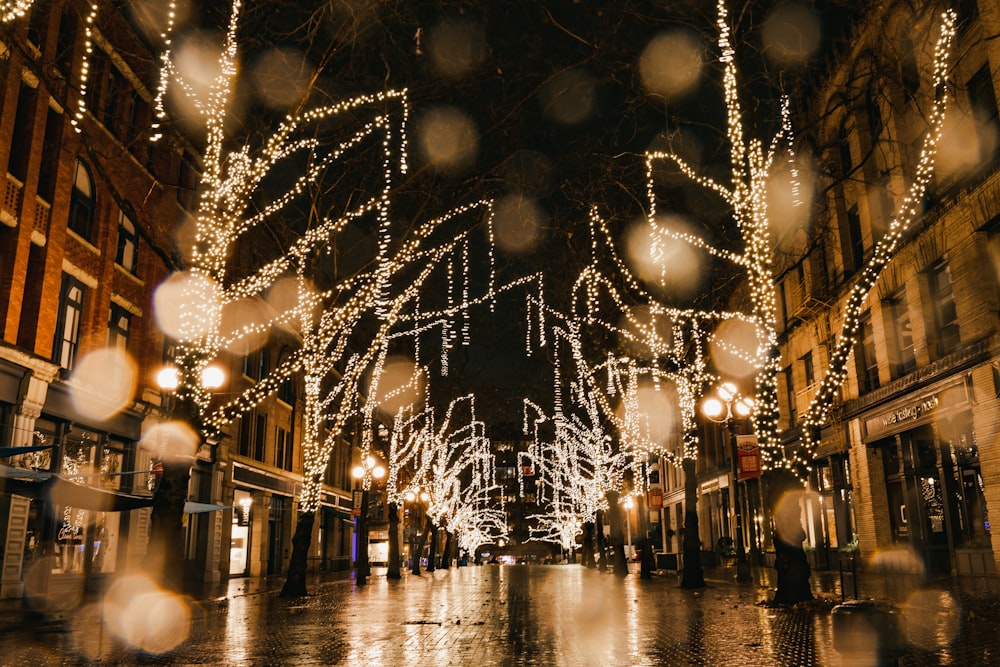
x=212, y=377
x=378, y=472
x=712, y=408
x=168, y=378
x=743, y=407
x=727, y=390
x=357, y=472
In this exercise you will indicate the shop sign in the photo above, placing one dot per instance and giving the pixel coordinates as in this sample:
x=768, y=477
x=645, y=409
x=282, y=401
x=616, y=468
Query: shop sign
x=655, y=499
x=748, y=456
x=907, y=412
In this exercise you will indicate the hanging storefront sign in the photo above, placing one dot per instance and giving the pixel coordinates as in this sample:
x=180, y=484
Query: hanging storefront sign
x=748, y=456
x=655, y=499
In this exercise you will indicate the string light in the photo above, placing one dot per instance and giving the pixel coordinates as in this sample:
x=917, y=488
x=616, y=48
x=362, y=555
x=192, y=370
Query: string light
x=11, y=10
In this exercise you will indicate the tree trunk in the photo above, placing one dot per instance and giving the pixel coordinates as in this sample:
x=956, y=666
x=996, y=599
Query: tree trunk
x=449, y=538
x=602, y=547
x=394, y=565
x=692, y=575
x=618, y=558
x=164, y=560
x=419, y=549
x=646, y=564
x=295, y=582
x=587, y=547
x=432, y=556
x=790, y=563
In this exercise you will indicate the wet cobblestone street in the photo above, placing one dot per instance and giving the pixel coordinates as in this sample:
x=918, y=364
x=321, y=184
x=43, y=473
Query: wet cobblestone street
x=521, y=615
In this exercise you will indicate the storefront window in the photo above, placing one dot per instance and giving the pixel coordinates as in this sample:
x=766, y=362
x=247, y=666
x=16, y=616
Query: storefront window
x=77, y=458
x=239, y=548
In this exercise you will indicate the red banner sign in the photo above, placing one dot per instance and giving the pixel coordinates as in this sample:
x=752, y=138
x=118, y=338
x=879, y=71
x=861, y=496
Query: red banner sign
x=655, y=499
x=748, y=456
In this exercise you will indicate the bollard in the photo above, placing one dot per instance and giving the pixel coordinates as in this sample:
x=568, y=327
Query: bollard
x=869, y=627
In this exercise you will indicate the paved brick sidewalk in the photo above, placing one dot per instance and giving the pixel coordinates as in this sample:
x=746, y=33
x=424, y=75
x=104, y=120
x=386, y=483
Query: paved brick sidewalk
x=561, y=615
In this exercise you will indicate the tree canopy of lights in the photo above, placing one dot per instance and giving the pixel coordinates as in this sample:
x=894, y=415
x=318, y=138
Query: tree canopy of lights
x=667, y=348
x=574, y=458
x=453, y=464
x=751, y=167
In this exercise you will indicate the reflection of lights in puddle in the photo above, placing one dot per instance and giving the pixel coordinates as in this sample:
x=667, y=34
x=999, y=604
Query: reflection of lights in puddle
x=146, y=617
x=933, y=619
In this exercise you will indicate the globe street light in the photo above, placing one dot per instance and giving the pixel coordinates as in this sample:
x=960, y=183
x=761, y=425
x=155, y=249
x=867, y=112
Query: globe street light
x=364, y=473
x=725, y=408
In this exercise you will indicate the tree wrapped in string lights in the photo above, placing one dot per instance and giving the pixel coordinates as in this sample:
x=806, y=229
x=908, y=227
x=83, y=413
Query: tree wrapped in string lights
x=751, y=171
x=238, y=200
x=452, y=465
x=580, y=465
x=659, y=375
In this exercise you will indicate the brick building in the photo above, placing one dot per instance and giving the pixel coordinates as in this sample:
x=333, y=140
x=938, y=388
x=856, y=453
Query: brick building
x=90, y=212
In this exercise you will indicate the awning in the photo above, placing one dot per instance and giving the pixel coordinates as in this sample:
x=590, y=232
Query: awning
x=6, y=452
x=47, y=486
x=200, y=508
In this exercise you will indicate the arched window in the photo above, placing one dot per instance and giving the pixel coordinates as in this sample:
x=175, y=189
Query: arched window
x=81, y=203
x=128, y=243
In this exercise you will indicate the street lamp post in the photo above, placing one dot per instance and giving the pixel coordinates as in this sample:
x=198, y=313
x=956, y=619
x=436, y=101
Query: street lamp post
x=726, y=408
x=629, y=504
x=367, y=470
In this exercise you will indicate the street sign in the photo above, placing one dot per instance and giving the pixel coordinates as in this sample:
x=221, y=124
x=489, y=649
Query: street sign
x=748, y=456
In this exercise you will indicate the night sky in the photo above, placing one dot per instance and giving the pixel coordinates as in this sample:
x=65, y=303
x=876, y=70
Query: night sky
x=546, y=108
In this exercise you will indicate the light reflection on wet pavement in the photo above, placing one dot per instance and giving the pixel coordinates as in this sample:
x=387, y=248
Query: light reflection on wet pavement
x=520, y=615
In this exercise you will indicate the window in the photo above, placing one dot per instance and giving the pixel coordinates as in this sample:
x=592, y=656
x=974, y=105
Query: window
x=128, y=243
x=65, y=43
x=118, y=327
x=68, y=324
x=286, y=392
x=24, y=118
x=260, y=436
x=51, y=143
x=844, y=142
x=875, y=121
x=993, y=249
x=864, y=355
x=944, y=314
x=99, y=64
x=853, y=242
x=115, y=86
x=81, y=203
x=187, y=182
x=983, y=99
x=246, y=434
x=283, y=449
x=810, y=371
x=902, y=359
x=256, y=365
x=253, y=434
x=790, y=395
